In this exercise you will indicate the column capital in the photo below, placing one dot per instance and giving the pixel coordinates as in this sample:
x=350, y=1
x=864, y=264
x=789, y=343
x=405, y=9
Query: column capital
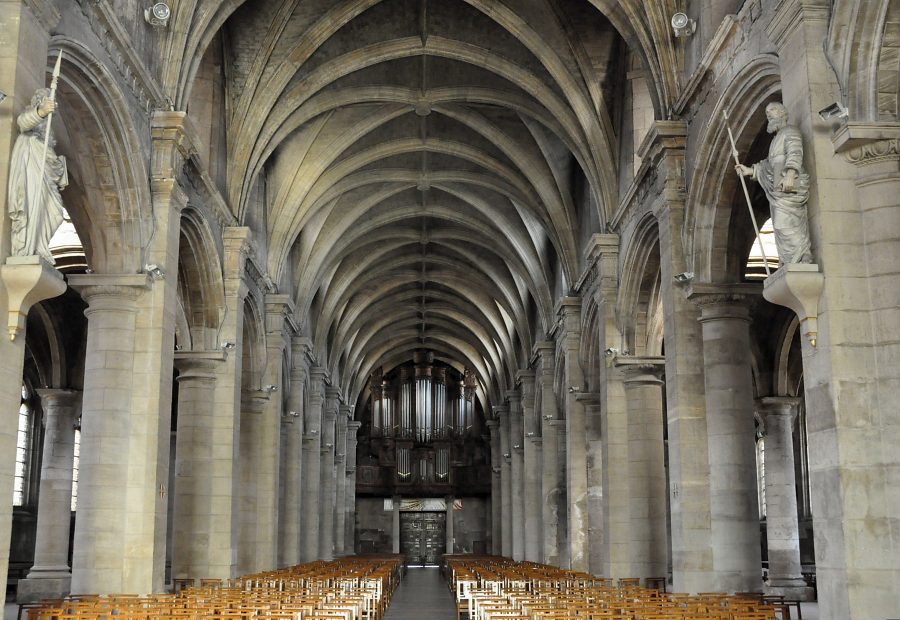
x=558, y=426
x=58, y=398
x=353, y=426
x=525, y=374
x=568, y=306
x=174, y=142
x=588, y=398
x=721, y=301
x=254, y=401
x=647, y=369
x=501, y=410
x=791, y=14
x=514, y=397
x=198, y=364
x=280, y=313
x=110, y=291
x=784, y=407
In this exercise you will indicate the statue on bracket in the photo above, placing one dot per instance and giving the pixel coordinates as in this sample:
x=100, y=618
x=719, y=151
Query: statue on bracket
x=35, y=205
x=786, y=185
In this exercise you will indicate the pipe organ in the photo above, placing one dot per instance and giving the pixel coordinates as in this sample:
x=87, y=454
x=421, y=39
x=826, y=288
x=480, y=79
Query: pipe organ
x=423, y=431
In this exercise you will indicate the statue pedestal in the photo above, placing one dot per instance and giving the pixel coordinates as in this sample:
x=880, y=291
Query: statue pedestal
x=798, y=287
x=28, y=280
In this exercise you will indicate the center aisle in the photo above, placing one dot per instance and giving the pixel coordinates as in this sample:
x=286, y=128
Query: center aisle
x=422, y=593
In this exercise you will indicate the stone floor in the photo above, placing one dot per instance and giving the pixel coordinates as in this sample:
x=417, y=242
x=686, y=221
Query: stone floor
x=423, y=593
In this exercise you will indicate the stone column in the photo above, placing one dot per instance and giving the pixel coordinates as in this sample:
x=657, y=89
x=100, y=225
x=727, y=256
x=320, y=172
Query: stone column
x=692, y=565
x=532, y=465
x=292, y=459
x=506, y=494
x=252, y=477
x=558, y=429
x=350, y=488
x=24, y=48
x=395, y=523
x=327, y=490
x=496, y=488
x=551, y=479
x=648, y=545
x=50, y=576
x=340, y=465
x=778, y=414
x=591, y=401
x=734, y=512
x=517, y=474
x=569, y=309
x=198, y=507
x=101, y=528
x=449, y=527
x=312, y=464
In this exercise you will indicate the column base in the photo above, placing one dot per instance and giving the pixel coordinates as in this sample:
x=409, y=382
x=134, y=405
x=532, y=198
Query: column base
x=49, y=583
x=790, y=589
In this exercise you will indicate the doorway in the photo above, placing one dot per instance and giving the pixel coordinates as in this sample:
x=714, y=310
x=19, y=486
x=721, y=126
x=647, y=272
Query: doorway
x=423, y=537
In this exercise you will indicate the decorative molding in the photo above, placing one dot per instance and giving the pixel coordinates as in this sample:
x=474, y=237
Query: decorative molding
x=790, y=14
x=117, y=42
x=876, y=152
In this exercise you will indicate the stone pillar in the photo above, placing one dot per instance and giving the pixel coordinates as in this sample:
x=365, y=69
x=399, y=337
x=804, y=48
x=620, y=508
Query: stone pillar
x=449, y=527
x=496, y=488
x=312, y=464
x=569, y=310
x=532, y=464
x=517, y=474
x=851, y=375
x=734, y=512
x=101, y=528
x=50, y=576
x=551, y=480
x=24, y=46
x=292, y=459
x=778, y=414
x=648, y=544
x=340, y=465
x=692, y=563
x=506, y=489
x=198, y=507
x=350, y=488
x=253, y=479
x=327, y=488
x=592, y=403
x=559, y=429
x=395, y=524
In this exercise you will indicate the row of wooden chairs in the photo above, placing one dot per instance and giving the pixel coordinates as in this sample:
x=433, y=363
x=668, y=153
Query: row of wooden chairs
x=493, y=588
x=352, y=588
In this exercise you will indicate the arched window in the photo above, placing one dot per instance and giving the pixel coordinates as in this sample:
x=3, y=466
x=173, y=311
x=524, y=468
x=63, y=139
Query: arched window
x=761, y=474
x=755, y=264
x=75, y=468
x=24, y=449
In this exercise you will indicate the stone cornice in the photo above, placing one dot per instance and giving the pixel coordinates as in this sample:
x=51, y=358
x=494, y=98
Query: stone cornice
x=867, y=143
x=791, y=13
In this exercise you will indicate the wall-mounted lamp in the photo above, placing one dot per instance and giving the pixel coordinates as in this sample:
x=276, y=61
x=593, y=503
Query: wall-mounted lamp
x=313, y=432
x=835, y=110
x=270, y=388
x=2, y=96
x=529, y=434
x=294, y=414
x=507, y=455
x=518, y=446
x=227, y=345
x=548, y=417
x=684, y=277
x=154, y=271
x=683, y=25
x=610, y=352
x=574, y=390
x=329, y=445
x=158, y=15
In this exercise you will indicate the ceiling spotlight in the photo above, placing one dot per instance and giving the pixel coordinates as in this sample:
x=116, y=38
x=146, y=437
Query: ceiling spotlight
x=158, y=15
x=683, y=25
x=835, y=110
x=154, y=271
x=684, y=277
x=227, y=345
x=611, y=352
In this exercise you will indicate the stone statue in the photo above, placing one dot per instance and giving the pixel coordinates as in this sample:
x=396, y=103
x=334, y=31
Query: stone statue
x=35, y=206
x=786, y=185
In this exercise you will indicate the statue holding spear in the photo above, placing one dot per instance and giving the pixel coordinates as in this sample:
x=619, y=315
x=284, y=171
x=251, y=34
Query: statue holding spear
x=37, y=174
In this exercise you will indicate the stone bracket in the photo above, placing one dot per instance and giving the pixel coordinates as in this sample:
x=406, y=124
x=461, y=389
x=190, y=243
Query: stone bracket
x=798, y=287
x=27, y=280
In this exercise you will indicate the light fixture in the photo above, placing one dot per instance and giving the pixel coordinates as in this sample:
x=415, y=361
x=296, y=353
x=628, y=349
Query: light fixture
x=684, y=277
x=329, y=445
x=294, y=414
x=154, y=271
x=270, y=388
x=529, y=434
x=574, y=390
x=227, y=345
x=548, y=417
x=518, y=446
x=611, y=352
x=835, y=110
x=178, y=347
x=313, y=431
x=158, y=15
x=683, y=25
x=496, y=470
x=2, y=96
x=507, y=455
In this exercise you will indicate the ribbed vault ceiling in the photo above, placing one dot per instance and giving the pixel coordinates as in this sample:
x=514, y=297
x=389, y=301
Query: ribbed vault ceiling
x=421, y=163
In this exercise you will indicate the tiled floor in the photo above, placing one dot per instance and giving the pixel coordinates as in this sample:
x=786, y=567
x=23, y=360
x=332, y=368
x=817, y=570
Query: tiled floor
x=423, y=593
